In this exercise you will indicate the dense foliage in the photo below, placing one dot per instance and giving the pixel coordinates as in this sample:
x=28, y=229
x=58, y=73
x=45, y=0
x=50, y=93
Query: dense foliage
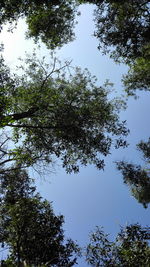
x=50, y=111
x=29, y=227
x=130, y=249
x=123, y=26
x=50, y=21
x=137, y=177
x=54, y=113
x=138, y=76
x=123, y=31
x=144, y=147
x=138, y=180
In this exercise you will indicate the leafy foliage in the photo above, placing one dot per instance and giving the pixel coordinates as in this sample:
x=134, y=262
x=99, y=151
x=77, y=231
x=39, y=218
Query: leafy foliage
x=130, y=249
x=100, y=251
x=29, y=227
x=133, y=246
x=138, y=177
x=51, y=21
x=55, y=113
x=123, y=31
x=138, y=76
x=144, y=147
x=124, y=26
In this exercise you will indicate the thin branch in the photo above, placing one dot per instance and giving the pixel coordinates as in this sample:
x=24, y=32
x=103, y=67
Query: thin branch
x=7, y=160
x=31, y=126
x=55, y=70
x=3, y=143
x=23, y=115
x=4, y=249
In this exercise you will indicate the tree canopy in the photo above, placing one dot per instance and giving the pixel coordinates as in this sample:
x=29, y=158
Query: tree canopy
x=123, y=27
x=130, y=248
x=29, y=227
x=57, y=114
x=123, y=31
x=55, y=111
x=138, y=180
x=50, y=21
x=144, y=147
x=138, y=76
x=137, y=177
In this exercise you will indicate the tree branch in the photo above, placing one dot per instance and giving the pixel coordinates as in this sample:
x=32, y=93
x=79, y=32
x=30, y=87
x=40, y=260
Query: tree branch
x=30, y=126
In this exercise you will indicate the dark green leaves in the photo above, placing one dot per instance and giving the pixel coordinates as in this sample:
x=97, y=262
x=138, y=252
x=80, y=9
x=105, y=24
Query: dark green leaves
x=130, y=248
x=29, y=226
x=63, y=115
x=52, y=22
x=138, y=177
x=100, y=251
x=123, y=26
x=138, y=77
x=138, y=180
x=49, y=21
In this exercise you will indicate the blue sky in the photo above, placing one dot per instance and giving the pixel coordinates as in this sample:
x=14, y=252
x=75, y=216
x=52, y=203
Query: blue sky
x=92, y=197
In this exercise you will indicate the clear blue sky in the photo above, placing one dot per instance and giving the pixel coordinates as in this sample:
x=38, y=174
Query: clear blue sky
x=92, y=197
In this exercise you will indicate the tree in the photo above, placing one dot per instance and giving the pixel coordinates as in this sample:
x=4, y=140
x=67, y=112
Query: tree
x=138, y=74
x=100, y=251
x=124, y=26
x=123, y=31
x=138, y=177
x=130, y=249
x=144, y=147
x=120, y=24
x=29, y=227
x=51, y=21
x=138, y=180
x=133, y=246
x=57, y=114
